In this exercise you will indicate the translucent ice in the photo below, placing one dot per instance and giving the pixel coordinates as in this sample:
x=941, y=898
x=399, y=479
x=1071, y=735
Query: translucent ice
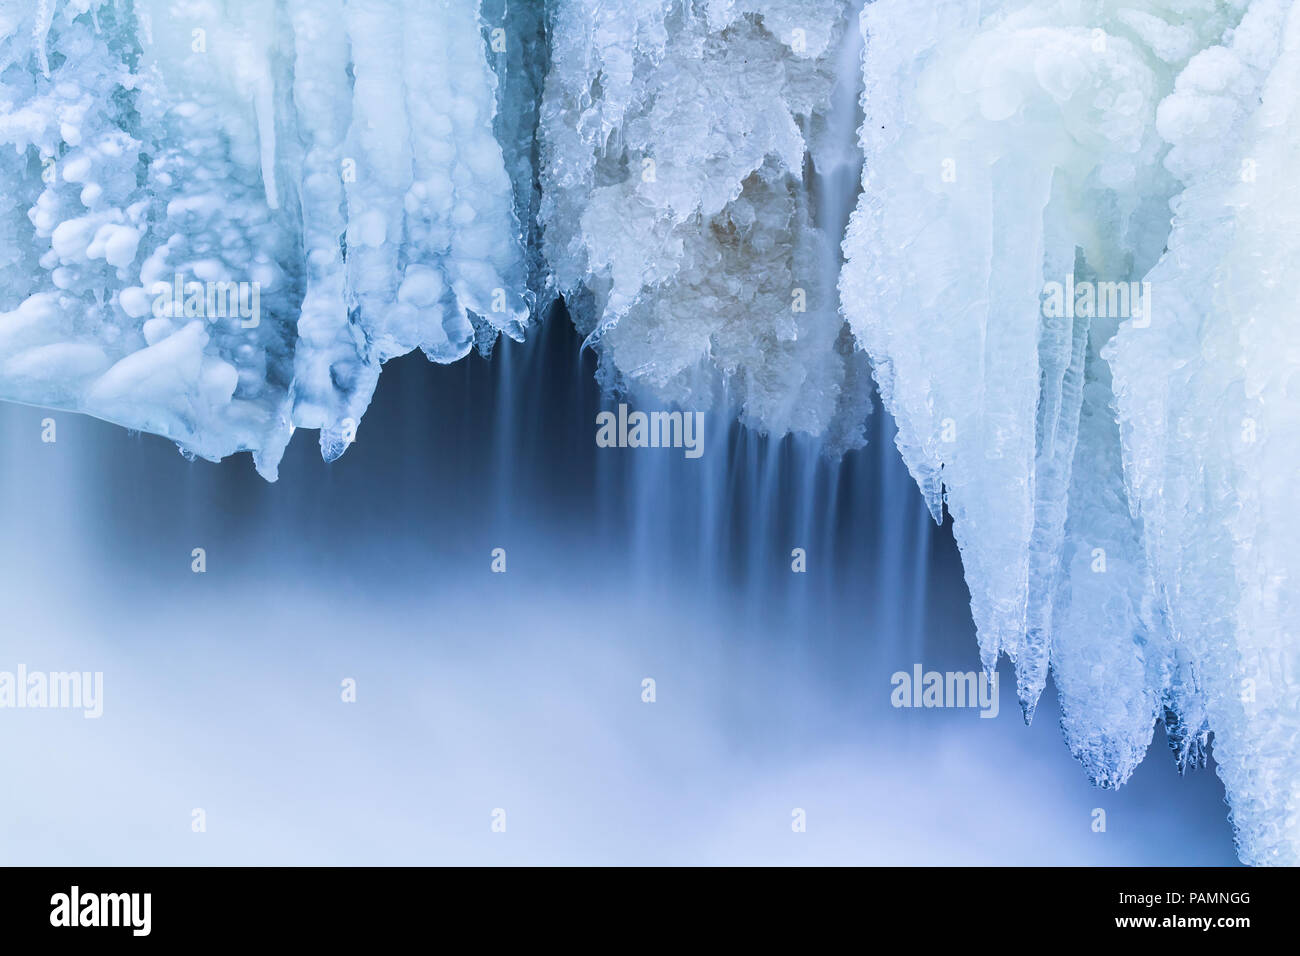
x=332, y=166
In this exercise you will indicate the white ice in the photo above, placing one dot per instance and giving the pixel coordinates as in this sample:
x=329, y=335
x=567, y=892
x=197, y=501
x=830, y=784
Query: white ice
x=1118, y=498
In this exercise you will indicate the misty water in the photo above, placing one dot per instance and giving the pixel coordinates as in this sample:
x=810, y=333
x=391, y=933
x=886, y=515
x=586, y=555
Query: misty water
x=522, y=690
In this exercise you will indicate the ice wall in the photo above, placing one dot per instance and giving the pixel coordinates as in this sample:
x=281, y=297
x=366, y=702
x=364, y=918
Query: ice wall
x=1022, y=153
x=332, y=166
x=1209, y=407
x=226, y=216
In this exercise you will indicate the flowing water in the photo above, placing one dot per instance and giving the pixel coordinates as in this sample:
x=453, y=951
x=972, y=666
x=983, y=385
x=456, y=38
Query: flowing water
x=521, y=691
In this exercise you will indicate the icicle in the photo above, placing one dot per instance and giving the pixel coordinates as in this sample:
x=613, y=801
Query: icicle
x=41, y=32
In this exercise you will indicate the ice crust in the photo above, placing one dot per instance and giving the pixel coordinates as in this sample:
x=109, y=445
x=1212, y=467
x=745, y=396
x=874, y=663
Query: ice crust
x=392, y=175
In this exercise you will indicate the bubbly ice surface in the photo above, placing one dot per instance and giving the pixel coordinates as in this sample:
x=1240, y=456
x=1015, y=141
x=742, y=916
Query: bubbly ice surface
x=335, y=164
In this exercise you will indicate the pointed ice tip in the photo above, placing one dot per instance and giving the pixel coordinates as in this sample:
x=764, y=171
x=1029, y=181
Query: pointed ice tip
x=269, y=470
x=1027, y=708
x=332, y=447
x=596, y=334
x=935, y=504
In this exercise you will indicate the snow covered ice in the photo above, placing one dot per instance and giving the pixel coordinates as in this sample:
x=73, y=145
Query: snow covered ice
x=1067, y=267
x=676, y=201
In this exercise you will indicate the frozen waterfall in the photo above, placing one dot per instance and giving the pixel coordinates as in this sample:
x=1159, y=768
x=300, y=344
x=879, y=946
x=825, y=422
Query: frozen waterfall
x=1065, y=273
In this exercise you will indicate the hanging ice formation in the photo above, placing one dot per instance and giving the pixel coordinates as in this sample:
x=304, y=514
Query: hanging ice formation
x=1067, y=266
